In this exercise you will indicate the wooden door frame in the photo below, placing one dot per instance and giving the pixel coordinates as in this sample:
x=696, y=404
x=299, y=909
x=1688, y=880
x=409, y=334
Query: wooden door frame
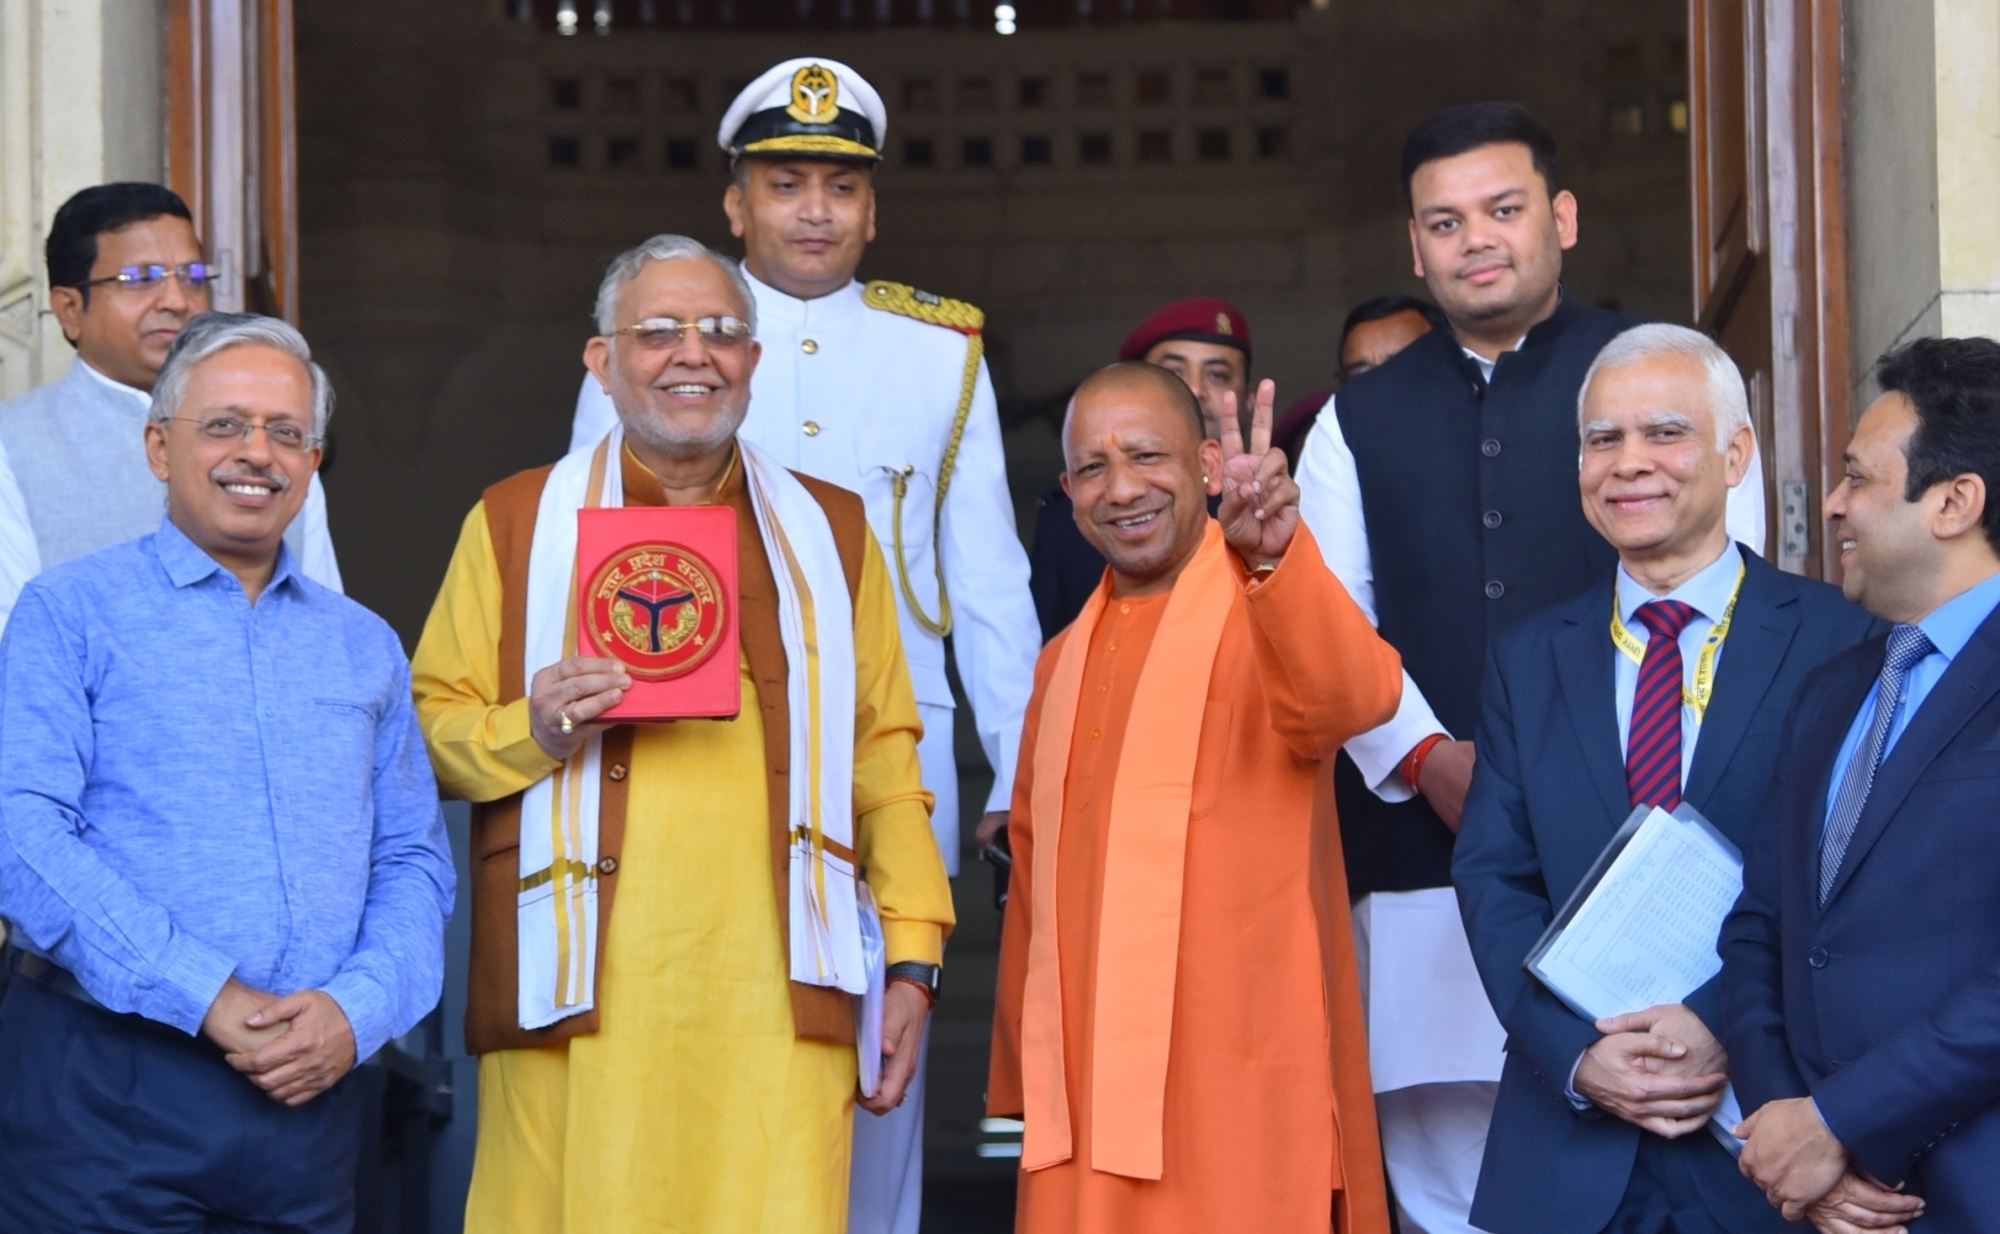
x=1798, y=232
x=232, y=142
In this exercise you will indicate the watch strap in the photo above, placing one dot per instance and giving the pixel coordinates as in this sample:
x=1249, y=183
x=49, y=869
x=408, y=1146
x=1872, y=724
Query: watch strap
x=925, y=977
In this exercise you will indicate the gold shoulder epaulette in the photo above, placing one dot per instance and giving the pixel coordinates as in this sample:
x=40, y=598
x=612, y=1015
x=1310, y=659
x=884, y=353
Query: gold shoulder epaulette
x=906, y=301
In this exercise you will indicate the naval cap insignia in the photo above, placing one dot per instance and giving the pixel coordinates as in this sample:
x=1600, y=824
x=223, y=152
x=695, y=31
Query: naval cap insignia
x=655, y=608
x=815, y=95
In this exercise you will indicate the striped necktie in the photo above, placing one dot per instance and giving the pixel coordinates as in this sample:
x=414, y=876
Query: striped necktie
x=1653, y=740
x=1907, y=646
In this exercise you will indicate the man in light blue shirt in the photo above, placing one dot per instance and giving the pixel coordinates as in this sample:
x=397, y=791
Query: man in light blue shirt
x=220, y=842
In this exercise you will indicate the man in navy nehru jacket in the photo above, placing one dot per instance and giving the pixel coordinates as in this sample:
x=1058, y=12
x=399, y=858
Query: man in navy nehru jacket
x=1442, y=489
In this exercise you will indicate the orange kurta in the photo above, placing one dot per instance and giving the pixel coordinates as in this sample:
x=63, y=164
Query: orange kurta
x=1269, y=1120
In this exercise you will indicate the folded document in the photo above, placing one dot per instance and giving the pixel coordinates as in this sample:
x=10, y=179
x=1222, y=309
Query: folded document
x=1640, y=929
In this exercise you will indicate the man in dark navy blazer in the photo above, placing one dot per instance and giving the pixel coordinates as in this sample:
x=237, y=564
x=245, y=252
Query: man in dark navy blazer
x=1669, y=680
x=1861, y=968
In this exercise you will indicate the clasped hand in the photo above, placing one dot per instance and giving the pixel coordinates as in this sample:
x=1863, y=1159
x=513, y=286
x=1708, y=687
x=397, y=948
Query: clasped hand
x=1660, y=1069
x=1260, y=500
x=294, y=1048
x=1807, y=1174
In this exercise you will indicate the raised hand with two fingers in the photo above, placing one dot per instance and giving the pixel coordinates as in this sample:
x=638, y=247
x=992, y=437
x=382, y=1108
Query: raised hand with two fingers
x=1260, y=500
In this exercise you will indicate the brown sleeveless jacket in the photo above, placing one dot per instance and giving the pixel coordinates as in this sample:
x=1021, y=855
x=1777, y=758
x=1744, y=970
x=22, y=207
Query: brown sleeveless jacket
x=492, y=1020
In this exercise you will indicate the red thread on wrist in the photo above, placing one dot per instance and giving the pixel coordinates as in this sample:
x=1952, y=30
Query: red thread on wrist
x=1413, y=762
x=929, y=997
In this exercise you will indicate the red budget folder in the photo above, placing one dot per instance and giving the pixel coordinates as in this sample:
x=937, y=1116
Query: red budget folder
x=656, y=591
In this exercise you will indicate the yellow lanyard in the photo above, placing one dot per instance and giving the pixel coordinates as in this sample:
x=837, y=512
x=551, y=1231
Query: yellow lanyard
x=1697, y=695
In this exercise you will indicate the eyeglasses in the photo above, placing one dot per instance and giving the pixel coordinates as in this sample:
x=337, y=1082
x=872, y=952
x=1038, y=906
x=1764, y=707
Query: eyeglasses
x=661, y=333
x=195, y=276
x=283, y=436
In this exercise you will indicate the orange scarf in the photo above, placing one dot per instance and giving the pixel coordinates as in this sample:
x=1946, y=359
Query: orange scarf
x=1144, y=863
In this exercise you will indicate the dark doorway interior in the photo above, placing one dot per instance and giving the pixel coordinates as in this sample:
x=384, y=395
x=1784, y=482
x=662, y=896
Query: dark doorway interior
x=465, y=170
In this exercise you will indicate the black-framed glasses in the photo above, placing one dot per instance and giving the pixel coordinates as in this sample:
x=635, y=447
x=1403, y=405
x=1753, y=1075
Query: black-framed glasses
x=282, y=435
x=194, y=275
x=660, y=333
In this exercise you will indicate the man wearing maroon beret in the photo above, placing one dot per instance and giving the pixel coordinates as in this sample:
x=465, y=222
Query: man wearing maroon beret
x=1206, y=343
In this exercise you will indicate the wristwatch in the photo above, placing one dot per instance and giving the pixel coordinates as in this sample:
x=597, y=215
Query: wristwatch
x=919, y=974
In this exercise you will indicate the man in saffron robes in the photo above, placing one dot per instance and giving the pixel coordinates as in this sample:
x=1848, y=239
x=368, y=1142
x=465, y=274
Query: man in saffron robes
x=1179, y=1020
x=695, y=1068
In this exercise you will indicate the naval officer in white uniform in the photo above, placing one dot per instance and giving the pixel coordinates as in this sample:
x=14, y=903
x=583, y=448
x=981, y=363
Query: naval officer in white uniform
x=883, y=390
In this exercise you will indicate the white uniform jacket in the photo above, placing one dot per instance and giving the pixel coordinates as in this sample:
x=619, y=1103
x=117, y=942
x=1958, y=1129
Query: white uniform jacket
x=852, y=395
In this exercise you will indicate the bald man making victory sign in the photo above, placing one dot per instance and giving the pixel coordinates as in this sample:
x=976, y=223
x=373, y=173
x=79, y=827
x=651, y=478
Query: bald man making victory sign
x=1179, y=1020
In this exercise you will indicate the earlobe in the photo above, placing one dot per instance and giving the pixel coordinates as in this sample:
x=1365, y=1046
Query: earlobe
x=732, y=206
x=156, y=450
x=67, y=305
x=1965, y=504
x=1211, y=466
x=1736, y=463
x=1416, y=253
x=1565, y=212
x=597, y=358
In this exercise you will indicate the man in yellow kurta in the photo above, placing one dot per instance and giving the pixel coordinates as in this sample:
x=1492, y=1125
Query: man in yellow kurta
x=690, y=1063
x=1178, y=1019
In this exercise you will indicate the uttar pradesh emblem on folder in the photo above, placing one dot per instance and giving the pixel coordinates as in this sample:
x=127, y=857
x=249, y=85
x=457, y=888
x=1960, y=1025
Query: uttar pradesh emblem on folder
x=656, y=591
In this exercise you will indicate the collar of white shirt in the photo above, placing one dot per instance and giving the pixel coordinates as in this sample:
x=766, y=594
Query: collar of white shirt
x=780, y=309
x=1707, y=593
x=1485, y=365
x=130, y=392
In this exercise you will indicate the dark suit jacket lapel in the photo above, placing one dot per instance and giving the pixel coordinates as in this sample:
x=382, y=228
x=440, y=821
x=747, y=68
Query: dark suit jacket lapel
x=1583, y=654
x=1824, y=727
x=1760, y=634
x=1972, y=679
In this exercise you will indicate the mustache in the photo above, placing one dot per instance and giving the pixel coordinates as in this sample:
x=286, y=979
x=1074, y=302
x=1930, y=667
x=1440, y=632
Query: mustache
x=237, y=474
x=1482, y=262
x=715, y=382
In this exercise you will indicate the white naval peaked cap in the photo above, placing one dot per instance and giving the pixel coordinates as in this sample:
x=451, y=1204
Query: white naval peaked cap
x=810, y=106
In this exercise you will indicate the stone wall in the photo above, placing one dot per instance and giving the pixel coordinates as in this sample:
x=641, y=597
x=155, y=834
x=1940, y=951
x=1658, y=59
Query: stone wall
x=1923, y=172
x=81, y=102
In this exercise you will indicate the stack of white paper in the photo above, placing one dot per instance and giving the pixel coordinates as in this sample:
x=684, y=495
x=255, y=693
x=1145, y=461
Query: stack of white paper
x=1640, y=930
x=868, y=1006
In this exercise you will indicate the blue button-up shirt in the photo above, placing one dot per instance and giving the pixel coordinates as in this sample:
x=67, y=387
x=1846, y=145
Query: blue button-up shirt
x=193, y=787
x=1950, y=627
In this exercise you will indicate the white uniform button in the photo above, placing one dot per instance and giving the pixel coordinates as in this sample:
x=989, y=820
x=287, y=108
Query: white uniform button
x=811, y=428
x=809, y=347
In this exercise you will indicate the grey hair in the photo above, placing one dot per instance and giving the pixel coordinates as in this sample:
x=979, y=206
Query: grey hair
x=209, y=334
x=626, y=266
x=1727, y=401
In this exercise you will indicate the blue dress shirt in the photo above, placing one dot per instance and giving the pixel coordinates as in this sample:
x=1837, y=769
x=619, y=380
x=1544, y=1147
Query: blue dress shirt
x=193, y=787
x=1950, y=627
x=1707, y=593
